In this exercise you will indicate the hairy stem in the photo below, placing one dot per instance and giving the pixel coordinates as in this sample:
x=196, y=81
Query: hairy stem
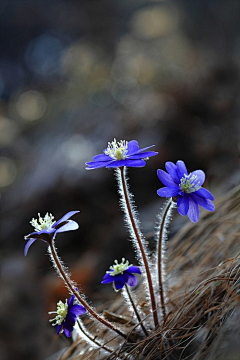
x=135, y=310
x=71, y=287
x=140, y=244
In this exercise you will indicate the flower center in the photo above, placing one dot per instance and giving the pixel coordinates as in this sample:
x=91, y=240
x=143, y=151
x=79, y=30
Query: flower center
x=62, y=310
x=118, y=268
x=189, y=183
x=42, y=223
x=117, y=150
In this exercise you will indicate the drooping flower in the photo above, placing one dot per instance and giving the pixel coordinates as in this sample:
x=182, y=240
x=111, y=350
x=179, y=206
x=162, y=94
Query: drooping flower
x=46, y=228
x=120, y=154
x=67, y=314
x=120, y=274
x=187, y=188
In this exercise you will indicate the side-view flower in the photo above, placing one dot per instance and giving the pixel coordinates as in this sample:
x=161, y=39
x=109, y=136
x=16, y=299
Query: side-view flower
x=121, y=274
x=187, y=188
x=46, y=228
x=67, y=314
x=120, y=154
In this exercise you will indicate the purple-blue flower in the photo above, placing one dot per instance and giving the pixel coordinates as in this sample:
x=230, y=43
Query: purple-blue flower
x=120, y=154
x=121, y=274
x=46, y=229
x=187, y=188
x=67, y=314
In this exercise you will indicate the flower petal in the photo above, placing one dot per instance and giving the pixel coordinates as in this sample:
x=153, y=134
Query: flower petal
x=107, y=279
x=70, y=225
x=205, y=203
x=59, y=329
x=130, y=279
x=204, y=193
x=200, y=176
x=146, y=148
x=115, y=163
x=172, y=170
x=102, y=157
x=181, y=169
x=167, y=192
x=143, y=155
x=134, y=269
x=70, y=301
x=78, y=310
x=134, y=163
x=132, y=147
x=97, y=164
x=27, y=246
x=119, y=281
x=183, y=205
x=193, y=212
x=65, y=217
x=166, y=179
x=67, y=332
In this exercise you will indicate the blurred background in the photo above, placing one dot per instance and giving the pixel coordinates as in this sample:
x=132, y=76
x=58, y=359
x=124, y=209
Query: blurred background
x=73, y=76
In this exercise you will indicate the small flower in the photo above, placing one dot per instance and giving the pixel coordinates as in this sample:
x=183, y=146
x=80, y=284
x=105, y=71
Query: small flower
x=67, y=314
x=121, y=274
x=120, y=154
x=46, y=229
x=187, y=188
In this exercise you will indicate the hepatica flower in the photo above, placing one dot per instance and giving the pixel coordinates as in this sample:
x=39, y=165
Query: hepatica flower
x=46, y=228
x=187, y=188
x=121, y=274
x=67, y=314
x=120, y=154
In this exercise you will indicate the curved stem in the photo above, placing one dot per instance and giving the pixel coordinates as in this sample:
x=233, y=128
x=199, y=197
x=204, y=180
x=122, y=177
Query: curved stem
x=71, y=287
x=135, y=310
x=138, y=238
x=160, y=258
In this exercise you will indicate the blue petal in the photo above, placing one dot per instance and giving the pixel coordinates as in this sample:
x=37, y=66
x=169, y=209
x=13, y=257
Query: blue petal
x=65, y=217
x=70, y=225
x=119, y=281
x=78, y=310
x=172, y=170
x=167, y=192
x=130, y=279
x=205, y=203
x=70, y=301
x=146, y=148
x=27, y=246
x=132, y=147
x=183, y=205
x=181, y=169
x=134, y=163
x=102, y=157
x=107, y=279
x=166, y=179
x=204, y=193
x=97, y=164
x=193, y=212
x=59, y=329
x=67, y=332
x=200, y=176
x=115, y=163
x=143, y=155
x=134, y=269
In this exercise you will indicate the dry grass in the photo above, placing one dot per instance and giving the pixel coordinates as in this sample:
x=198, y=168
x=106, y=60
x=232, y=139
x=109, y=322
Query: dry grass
x=203, y=296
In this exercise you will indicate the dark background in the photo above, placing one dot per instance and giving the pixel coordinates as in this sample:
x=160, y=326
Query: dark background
x=73, y=76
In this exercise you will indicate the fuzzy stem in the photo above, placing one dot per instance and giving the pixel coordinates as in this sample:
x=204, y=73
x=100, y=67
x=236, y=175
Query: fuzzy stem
x=160, y=264
x=135, y=310
x=140, y=244
x=80, y=299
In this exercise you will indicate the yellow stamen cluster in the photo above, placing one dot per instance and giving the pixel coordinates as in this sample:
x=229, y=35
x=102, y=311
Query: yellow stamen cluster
x=189, y=184
x=118, y=268
x=117, y=150
x=62, y=310
x=42, y=223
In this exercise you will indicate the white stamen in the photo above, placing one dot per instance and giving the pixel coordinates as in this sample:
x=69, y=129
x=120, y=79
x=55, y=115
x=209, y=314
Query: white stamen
x=42, y=223
x=117, y=150
x=118, y=268
x=189, y=183
x=62, y=310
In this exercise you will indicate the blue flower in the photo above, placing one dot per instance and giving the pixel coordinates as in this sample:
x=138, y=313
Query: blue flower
x=121, y=154
x=121, y=274
x=67, y=314
x=46, y=229
x=187, y=188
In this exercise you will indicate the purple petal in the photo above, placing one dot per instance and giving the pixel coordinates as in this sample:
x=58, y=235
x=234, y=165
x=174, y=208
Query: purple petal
x=70, y=301
x=130, y=279
x=134, y=163
x=146, y=148
x=97, y=164
x=166, y=179
x=70, y=225
x=200, y=176
x=59, y=329
x=204, y=193
x=116, y=163
x=181, y=169
x=119, y=281
x=143, y=155
x=107, y=279
x=78, y=310
x=27, y=246
x=172, y=170
x=67, y=332
x=134, y=269
x=193, y=212
x=167, y=192
x=205, y=203
x=183, y=205
x=102, y=157
x=65, y=217
x=132, y=147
